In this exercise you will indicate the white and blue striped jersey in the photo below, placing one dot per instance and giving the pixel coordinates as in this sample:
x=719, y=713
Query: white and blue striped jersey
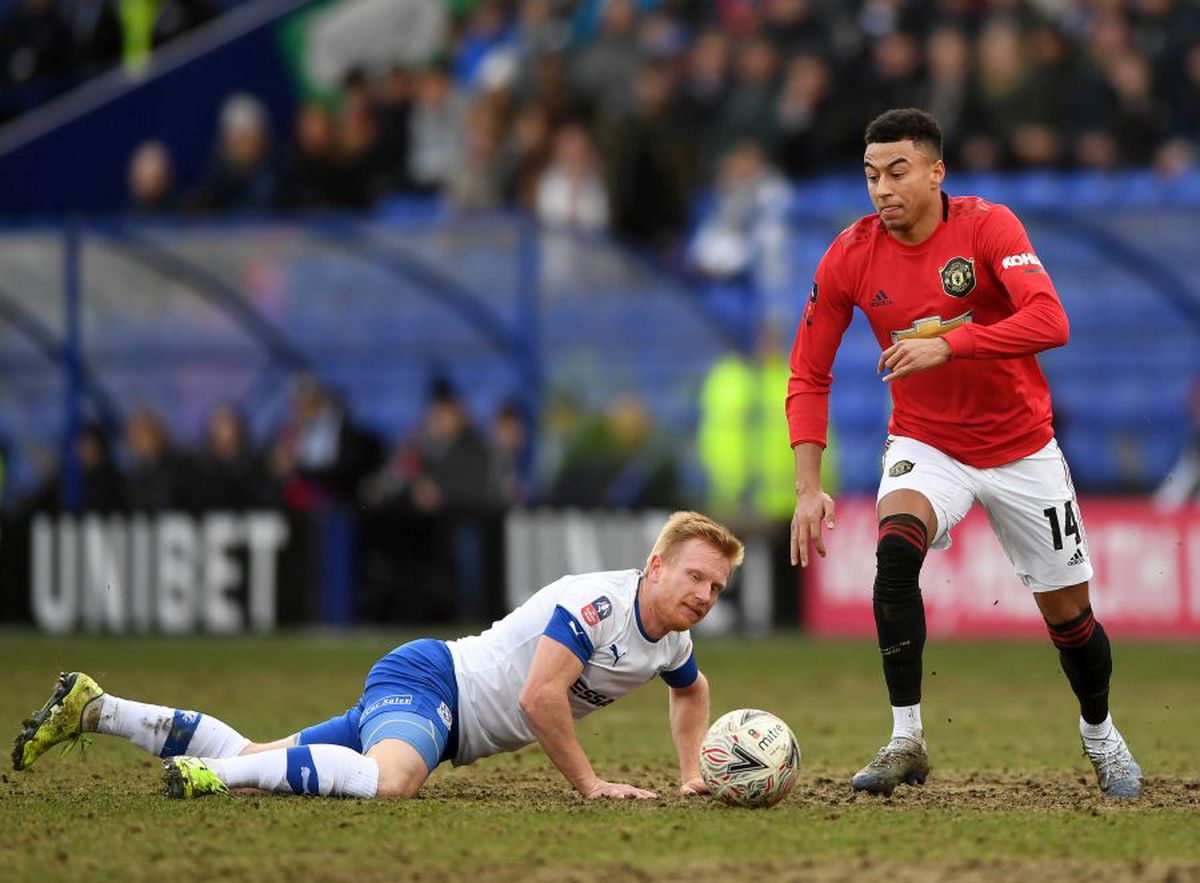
x=596, y=616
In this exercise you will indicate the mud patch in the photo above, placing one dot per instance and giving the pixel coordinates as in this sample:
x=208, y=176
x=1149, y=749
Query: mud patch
x=1008, y=792
x=534, y=784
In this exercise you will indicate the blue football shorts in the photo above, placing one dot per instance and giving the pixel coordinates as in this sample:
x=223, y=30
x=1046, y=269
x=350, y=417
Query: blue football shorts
x=410, y=695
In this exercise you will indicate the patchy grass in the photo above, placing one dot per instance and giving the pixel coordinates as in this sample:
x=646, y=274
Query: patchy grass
x=1010, y=796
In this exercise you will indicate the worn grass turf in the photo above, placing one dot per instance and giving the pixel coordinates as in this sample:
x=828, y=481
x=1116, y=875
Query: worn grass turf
x=1010, y=796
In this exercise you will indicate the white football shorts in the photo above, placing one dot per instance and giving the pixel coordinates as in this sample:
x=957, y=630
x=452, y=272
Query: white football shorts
x=1030, y=503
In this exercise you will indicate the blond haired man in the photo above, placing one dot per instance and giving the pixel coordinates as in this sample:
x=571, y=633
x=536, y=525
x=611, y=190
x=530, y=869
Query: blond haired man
x=576, y=646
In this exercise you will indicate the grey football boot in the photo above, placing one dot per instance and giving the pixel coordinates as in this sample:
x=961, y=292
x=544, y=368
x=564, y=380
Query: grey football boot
x=902, y=760
x=1117, y=772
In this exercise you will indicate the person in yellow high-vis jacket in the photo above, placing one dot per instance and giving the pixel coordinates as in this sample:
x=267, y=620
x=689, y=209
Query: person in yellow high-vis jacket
x=743, y=435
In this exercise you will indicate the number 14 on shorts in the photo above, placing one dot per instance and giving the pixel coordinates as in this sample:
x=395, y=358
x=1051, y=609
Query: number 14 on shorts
x=1069, y=525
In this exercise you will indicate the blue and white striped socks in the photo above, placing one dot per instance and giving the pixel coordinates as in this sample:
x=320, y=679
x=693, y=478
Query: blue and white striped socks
x=167, y=732
x=306, y=769
x=325, y=770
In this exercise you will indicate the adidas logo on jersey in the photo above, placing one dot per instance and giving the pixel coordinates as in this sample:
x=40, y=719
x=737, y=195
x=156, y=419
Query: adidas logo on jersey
x=1077, y=558
x=881, y=299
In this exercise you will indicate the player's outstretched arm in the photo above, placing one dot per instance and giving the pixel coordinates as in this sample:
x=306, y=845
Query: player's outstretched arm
x=544, y=701
x=689, y=723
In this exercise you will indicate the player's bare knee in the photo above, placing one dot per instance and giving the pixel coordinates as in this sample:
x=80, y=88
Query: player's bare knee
x=1063, y=605
x=402, y=770
x=398, y=782
x=909, y=502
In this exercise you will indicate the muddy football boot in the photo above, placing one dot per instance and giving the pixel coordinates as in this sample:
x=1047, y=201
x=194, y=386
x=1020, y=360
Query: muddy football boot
x=901, y=760
x=1117, y=772
x=188, y=777
x=60, y=720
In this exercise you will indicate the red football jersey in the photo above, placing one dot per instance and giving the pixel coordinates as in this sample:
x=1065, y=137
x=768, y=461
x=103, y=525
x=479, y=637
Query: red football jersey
x=977, y=282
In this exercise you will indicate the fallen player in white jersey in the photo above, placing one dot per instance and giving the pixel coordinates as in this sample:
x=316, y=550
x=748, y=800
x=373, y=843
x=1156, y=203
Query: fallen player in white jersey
x=577, y=645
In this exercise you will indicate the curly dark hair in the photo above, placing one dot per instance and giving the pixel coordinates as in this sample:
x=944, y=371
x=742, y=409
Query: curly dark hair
x=905, y=124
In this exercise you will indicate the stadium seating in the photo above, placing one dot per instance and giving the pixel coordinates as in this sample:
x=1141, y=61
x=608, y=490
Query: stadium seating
x=379, y=308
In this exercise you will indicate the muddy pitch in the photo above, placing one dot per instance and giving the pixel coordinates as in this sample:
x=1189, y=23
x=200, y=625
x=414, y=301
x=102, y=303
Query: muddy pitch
x=1076, y=792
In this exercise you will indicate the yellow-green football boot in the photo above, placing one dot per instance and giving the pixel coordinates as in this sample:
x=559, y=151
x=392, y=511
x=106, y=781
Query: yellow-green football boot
x=188, y=777
x=60, y=720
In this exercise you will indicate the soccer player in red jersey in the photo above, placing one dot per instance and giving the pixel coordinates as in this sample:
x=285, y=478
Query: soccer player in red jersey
x=960, y=305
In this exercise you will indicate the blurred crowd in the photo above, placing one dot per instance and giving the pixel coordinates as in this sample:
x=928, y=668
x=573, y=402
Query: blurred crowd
x=620, y=455
x=614, y=115
x=610, y=115
x=48, y=46
x=322, y=457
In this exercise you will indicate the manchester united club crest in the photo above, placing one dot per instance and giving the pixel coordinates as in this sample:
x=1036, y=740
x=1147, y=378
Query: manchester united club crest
x=958, y=276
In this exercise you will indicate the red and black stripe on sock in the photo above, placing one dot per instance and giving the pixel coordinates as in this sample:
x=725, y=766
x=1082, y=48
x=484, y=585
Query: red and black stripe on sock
x=1086, y=658
x=899, y=607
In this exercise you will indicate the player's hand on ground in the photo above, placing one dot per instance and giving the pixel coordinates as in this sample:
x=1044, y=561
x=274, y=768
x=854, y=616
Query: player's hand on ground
x=813, y=510
x=693, y=788
x=910, y=356
x=618, y=791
